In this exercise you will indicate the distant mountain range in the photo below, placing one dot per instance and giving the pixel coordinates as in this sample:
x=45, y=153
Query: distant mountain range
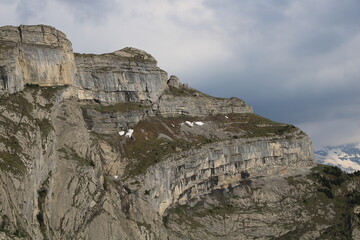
x=346, y=157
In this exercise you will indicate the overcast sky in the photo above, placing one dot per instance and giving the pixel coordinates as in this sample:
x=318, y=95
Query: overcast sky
x=294, y=61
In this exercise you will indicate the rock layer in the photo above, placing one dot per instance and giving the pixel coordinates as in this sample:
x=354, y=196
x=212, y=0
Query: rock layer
x=127, y=75
x=38, y=55
x=220, y=165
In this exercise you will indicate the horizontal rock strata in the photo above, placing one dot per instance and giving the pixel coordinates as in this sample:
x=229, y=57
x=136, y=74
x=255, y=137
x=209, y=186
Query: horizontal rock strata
x=38, y=55
x=219, y=165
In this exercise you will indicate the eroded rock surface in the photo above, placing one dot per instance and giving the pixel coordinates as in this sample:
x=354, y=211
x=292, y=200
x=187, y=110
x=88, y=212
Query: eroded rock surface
x=129, y=75
x=38, y=55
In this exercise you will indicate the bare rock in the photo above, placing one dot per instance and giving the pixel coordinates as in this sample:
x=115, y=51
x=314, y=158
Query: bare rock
x=34, y=55
x=173, y=81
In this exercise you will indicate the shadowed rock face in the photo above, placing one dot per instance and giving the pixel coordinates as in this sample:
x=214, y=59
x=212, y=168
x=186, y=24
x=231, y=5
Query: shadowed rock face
x=106, y=147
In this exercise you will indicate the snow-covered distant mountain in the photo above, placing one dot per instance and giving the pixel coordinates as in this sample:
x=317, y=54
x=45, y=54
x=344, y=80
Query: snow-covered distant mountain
x=346, y=157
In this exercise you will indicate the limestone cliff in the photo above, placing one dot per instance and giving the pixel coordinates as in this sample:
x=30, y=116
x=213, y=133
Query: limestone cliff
x=34, y=55
x=126, y=75
x=107, y=147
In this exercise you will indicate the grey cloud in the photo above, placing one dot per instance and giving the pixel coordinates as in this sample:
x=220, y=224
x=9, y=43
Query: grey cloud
x=90, y=11
x=86, y=11
x=26, y=10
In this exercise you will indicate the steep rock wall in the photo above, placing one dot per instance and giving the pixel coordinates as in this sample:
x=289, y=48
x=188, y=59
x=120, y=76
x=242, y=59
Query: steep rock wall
x=189, y=175
x=34, y=55
x=52, y=184
x=43, y=55
x=129, y=75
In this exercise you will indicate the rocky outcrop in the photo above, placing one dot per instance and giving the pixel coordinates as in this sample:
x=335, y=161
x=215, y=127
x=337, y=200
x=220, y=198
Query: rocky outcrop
x=127, y=75
x=199, y=105
x=43, y=56
x=38, y=55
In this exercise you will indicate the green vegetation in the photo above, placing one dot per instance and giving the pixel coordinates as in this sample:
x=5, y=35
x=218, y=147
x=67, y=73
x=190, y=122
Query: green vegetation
x=71, y=154
x=46, y=127
x=182, y=213
x=308, y=206
x=42, y=193
x=328, y=176
x=7, y=228
x=117, y=107
x=50, y=92
x=10, y=158
x=294, y=180
x=330, y=183
x=18, y=104
x=136, y=56
x=257, y=126
x=12, y=162
x=183, y=92
x=47, y=92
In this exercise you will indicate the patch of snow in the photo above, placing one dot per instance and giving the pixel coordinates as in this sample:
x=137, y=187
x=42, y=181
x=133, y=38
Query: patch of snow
x=129, y=133
x=199, y=123
x=190, y=123
x=121, y=133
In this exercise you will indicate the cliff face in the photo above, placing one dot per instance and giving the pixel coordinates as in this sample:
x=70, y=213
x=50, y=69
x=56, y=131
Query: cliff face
x=126, y=75
x=34, y=55
x=197, y=172
x=106, y=147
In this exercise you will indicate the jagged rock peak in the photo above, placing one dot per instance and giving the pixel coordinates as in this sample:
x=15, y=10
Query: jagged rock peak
x=137, y=54
x=35, y=34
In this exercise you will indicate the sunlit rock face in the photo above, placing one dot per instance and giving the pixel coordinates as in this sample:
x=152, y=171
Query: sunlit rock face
x=38, y=55
x=127, y=75
x=43, y=56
